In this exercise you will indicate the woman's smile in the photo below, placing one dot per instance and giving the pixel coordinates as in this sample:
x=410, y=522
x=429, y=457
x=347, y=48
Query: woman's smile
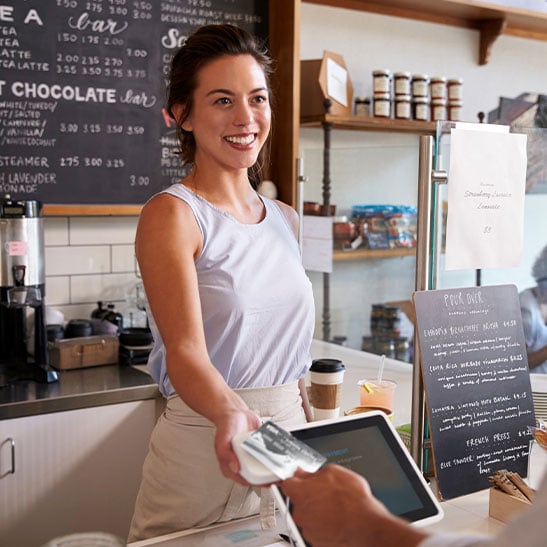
x=241, y=140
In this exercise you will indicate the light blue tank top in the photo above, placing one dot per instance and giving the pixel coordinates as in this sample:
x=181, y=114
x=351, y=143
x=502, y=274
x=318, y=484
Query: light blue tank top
x=256, y=299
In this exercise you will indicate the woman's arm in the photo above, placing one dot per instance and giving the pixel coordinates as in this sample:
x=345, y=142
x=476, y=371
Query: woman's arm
x=168, y=241
x=305, y=400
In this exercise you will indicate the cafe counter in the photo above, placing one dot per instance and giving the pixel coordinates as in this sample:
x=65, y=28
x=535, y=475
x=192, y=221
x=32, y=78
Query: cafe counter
x=466, y=514
x=76, y=389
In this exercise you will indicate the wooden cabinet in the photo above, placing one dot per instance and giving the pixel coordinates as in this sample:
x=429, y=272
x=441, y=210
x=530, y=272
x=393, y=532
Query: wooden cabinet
x=73, y=471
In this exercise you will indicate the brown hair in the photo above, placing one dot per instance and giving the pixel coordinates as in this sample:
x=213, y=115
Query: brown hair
x=206, y=44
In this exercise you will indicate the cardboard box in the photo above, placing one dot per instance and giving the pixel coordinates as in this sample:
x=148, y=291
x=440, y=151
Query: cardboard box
x=87, y=351
x=503, y=506
x=325, y=78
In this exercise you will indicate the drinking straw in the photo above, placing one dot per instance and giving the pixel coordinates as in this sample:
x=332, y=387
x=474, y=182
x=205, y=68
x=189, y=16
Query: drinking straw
x=381, y=369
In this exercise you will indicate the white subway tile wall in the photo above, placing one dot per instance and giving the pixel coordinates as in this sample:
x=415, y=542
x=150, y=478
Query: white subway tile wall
x=88, y=259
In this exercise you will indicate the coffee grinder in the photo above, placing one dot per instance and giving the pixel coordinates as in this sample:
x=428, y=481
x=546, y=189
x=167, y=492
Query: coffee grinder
x=22, y=292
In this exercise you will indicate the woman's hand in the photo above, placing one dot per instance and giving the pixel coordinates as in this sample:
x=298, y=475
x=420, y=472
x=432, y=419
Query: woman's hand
x=227, y=426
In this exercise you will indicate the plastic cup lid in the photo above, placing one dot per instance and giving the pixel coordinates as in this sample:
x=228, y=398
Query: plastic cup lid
x=327, y=365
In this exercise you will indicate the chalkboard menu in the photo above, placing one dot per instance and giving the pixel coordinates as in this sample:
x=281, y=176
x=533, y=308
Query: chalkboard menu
x=477, y=384
x=82, y=94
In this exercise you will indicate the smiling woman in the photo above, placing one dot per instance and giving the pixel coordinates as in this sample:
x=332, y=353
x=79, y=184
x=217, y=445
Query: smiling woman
x=231, y=308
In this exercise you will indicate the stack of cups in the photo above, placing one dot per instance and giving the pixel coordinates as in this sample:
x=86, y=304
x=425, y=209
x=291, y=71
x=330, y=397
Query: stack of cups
x=327, y=377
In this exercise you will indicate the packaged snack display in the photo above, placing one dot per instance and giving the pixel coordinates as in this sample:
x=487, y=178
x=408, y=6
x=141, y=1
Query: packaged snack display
x=386, y=226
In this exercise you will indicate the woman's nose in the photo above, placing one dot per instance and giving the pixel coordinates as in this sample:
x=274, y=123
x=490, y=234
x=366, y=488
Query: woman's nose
x=243, y=114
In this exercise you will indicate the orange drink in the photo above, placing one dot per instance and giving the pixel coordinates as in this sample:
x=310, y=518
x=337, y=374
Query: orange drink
x=378, y=393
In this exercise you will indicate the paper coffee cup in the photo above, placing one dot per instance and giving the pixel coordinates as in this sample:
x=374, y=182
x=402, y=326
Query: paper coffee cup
x=327, y=377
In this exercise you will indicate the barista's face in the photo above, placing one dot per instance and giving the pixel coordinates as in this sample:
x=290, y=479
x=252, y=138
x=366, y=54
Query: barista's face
x=231, y=113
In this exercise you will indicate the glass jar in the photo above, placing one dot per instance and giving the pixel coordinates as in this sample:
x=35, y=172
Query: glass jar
x=438, y=110
x=421, y=109
x=382, y=105
x=401, y=83
x=381, y=81
x=376, y=319
x=455, y=89
x=368, y=344
x=402, y=107
x=362, y=106
x=420, y=85
x=385, y=346
x=437, y=87
x=392, y=321
x=402, y=349
x=455, y=110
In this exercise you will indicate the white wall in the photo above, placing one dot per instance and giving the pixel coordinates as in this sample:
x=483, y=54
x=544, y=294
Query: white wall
x=91, y=258
x=381, y=168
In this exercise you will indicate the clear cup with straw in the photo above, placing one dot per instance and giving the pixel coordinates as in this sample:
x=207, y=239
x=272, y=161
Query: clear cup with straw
x=377, y=392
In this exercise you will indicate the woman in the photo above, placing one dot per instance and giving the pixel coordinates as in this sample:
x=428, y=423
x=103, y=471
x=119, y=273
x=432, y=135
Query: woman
x=231, y=308
x=533, y=307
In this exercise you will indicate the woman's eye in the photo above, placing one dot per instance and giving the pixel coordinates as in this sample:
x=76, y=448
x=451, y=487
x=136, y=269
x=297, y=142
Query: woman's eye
x=261, y=99
x=223, y=100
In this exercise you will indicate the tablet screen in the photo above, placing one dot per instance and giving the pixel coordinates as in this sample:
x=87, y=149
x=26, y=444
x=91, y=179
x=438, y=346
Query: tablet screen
x=369, y=446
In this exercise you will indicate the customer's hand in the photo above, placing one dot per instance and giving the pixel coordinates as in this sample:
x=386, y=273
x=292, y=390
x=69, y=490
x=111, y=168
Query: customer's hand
x=335, y=506
x=227, y=426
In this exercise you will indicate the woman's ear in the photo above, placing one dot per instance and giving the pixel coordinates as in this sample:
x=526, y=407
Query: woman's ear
x=178, y=112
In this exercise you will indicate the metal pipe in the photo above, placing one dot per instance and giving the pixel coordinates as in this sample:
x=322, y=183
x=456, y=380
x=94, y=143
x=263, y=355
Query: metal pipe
x=426, y=259
x=423, y=248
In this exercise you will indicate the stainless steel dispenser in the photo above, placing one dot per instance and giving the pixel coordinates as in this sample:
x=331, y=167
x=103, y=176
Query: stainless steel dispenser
x=22, y=288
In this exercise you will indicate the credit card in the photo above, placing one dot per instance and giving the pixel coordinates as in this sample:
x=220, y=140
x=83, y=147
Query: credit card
x=280, y=452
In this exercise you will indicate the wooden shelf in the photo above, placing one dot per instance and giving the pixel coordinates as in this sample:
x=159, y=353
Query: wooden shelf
x=491, y=19
x=368, y=123
x=364, y=254
x=92, y=210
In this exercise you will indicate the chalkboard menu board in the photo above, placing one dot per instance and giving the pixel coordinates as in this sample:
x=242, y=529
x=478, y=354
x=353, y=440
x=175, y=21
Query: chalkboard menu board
x=82, y=94
x=477, y=384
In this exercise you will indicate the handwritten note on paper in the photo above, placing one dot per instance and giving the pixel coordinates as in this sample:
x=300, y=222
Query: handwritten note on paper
x=477, y=384
x=486, y=186
x=317, y=243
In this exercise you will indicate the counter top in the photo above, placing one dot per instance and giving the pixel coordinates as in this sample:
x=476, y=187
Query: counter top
x=78, y=388
x=361, y=365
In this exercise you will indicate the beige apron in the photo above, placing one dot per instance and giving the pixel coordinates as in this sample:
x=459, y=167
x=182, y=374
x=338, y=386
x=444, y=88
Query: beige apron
x=182, y=486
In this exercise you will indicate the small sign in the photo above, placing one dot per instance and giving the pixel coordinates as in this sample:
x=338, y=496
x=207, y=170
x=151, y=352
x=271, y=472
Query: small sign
x=17, y=248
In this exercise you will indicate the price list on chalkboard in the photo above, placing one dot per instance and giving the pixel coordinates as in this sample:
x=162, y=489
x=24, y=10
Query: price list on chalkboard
x=477, y=384
x=83, y=89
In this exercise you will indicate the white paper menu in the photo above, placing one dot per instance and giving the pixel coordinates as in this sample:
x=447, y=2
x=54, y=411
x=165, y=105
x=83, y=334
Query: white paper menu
x=317, y=243
x=486, y=187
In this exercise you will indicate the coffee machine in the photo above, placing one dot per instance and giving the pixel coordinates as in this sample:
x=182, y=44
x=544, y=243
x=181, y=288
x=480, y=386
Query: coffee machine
x=22, y=292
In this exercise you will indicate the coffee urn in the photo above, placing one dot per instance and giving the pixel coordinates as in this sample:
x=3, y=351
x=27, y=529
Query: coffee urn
x=22, y=292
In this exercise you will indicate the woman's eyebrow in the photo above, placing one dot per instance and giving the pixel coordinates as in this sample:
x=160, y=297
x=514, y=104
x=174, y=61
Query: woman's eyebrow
x=228, y=92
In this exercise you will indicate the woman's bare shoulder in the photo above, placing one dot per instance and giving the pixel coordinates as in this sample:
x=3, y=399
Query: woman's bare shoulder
x=290, y=215
x=169, y=219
